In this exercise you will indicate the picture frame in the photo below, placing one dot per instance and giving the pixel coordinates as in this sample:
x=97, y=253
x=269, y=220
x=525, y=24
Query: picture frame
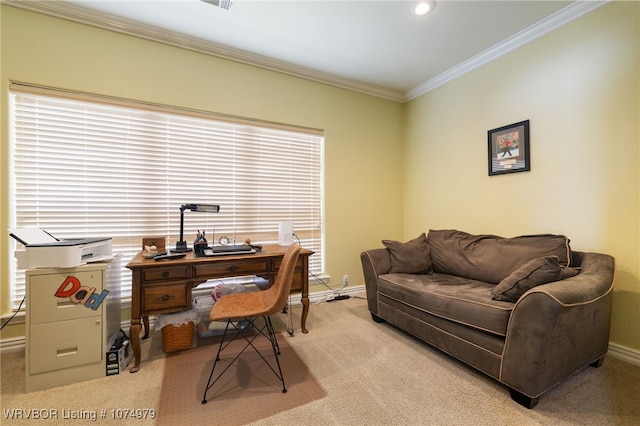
x=509, y=149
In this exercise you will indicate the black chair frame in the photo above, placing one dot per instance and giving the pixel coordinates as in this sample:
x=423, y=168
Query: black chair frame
x=242, y=331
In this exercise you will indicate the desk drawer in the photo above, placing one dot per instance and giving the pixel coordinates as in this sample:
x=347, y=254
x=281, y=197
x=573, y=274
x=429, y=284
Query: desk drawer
x=225, y=269
x=166, y=298
x=278, y=262
x=296, y=284
x=167, y=273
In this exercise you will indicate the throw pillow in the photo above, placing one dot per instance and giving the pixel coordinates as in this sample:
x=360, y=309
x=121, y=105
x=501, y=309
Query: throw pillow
x=412, y=257
x=533, y=273
x=566, y=272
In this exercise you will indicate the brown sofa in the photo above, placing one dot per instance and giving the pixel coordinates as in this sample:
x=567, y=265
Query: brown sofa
x=527, y=311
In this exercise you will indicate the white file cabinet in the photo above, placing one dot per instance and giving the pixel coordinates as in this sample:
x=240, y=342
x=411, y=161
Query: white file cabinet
x=70, y=314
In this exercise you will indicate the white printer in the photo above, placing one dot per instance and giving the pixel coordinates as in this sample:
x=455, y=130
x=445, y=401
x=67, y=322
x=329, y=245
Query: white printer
x=42, y=250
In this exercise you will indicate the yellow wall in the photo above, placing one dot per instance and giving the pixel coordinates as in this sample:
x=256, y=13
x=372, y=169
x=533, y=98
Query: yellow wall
x=580, y=88
x=363, y=134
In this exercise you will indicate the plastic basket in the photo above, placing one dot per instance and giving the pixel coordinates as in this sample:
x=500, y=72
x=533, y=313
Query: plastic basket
x=177, y=338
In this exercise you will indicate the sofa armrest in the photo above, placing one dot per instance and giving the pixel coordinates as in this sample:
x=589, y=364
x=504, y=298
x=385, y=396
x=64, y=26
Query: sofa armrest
x=559, y=328
x=374, y=262
x=594, y=281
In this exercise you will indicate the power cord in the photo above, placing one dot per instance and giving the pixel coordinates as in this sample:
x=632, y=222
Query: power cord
x=289, y=319
x=14, y=314
x=323, y=282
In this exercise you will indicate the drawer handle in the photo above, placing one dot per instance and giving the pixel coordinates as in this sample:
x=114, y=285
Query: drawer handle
x=233, y=268
x=165, y=274
x=67, y=351
x=166, y=297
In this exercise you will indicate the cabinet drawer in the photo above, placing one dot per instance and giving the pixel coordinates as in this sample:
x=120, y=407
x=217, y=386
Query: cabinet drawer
x=278, y=262
x=166, y=298
x=65, y=344
x=45, y=306
x=168, y=273
x=224, y=269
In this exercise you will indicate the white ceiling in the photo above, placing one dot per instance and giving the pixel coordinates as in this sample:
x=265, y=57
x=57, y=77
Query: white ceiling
x=373, y=46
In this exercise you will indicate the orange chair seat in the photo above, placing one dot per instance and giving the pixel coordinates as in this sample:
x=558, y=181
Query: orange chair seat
x=243, y=305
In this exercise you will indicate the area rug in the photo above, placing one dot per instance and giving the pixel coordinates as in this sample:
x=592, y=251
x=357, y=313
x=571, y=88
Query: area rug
x=247, y=392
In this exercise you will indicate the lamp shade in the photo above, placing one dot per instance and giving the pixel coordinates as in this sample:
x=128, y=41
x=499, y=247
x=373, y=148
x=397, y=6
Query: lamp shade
x=181, y=245
x=206, y=208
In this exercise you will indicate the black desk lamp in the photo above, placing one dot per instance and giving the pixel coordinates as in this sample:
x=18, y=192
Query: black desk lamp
x=181, y=246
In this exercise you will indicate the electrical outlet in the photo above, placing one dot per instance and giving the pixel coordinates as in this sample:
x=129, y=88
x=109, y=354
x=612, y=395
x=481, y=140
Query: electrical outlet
x=345, y=279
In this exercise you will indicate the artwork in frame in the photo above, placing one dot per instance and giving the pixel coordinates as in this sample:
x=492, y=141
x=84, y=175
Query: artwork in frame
x=509, y=149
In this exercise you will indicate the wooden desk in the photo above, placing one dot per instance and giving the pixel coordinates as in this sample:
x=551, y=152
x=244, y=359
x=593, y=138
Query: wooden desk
x=165, y=286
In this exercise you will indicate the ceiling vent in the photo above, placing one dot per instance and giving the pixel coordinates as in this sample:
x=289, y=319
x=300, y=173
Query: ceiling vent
x=223, y=4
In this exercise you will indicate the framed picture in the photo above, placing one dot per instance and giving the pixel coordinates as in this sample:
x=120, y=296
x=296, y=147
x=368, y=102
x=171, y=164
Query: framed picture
x=509, y=149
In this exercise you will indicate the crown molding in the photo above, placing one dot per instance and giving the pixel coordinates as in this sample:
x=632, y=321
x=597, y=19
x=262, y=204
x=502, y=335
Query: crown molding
x=552, y=22
x=71, y=12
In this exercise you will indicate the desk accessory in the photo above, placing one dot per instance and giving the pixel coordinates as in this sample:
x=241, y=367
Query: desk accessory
x=285, y=233
x=149, y=252
x=181, y=245
x=169, y=256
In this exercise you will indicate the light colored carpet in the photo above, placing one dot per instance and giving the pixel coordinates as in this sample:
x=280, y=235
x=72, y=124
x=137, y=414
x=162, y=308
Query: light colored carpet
x=373, y=374
x=246, y=392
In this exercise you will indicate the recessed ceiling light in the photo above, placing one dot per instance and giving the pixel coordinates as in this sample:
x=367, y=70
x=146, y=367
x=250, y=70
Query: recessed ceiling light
x=424, y=7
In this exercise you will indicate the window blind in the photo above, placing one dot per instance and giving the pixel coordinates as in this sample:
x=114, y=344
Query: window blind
x=88, y=167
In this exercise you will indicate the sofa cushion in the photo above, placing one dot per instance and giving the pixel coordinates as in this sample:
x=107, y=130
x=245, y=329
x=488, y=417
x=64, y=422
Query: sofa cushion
x=412, y=257
x=490, y=258
x=533, y=273
x=457, y=299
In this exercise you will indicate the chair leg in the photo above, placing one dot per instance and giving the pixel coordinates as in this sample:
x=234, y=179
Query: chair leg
x=270, y=335
x=209, y=383
x=221, y=347
x=276, y=351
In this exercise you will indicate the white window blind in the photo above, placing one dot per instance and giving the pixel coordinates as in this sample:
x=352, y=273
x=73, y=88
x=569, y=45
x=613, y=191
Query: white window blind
x=93, y=168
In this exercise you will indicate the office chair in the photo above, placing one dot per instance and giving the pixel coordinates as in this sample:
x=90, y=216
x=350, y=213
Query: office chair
x=250, y=307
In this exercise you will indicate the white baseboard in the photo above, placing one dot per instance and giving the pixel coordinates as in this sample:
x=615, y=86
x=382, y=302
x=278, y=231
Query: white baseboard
x=624, y=353
x=322, y=296
x=12, y=343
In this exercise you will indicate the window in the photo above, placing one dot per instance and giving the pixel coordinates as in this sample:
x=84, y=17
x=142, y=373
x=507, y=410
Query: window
x=87, y=166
